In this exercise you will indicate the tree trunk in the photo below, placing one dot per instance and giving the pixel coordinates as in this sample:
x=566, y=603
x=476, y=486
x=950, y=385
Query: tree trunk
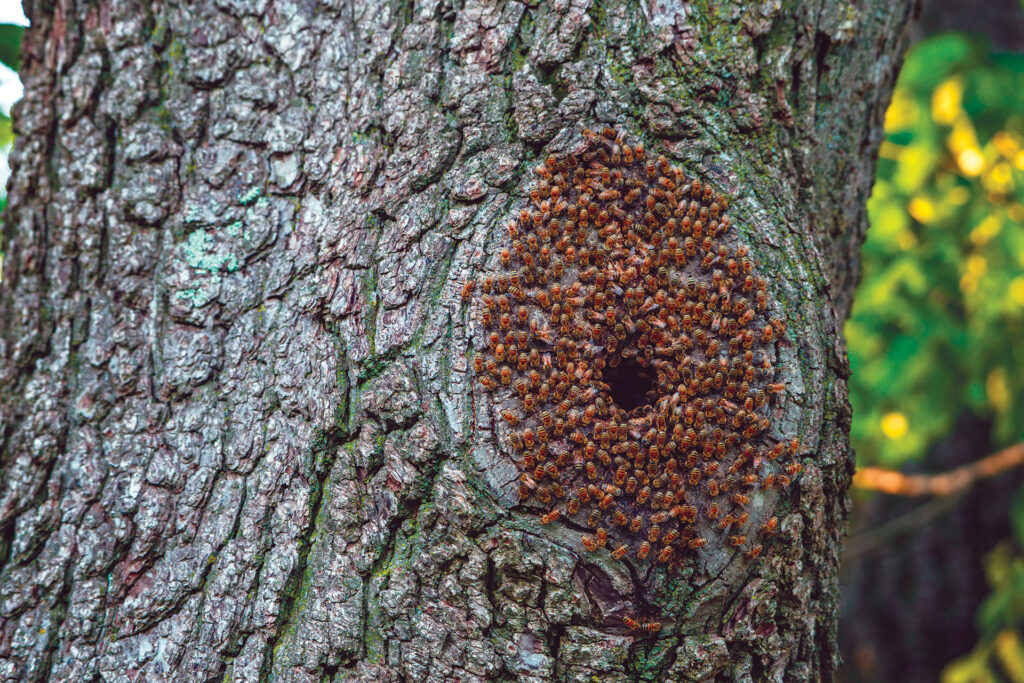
x=238, y=432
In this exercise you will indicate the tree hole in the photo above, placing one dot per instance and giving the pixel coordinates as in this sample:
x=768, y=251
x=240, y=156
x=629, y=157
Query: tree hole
x=631, y=383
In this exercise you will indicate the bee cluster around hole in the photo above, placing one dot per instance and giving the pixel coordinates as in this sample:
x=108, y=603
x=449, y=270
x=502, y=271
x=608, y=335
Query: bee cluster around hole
x=619, y=258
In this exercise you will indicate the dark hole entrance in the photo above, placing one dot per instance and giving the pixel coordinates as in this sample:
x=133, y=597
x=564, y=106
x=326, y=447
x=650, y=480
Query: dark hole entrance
x=630, y=383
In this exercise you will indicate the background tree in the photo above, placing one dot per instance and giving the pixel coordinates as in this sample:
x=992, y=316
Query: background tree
x=235, y=430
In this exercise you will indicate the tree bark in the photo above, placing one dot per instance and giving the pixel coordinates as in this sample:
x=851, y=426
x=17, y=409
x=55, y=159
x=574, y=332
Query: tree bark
x=236, y=420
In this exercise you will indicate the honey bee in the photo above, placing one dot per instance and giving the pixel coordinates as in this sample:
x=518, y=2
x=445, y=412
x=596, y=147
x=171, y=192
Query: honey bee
x=550, y=517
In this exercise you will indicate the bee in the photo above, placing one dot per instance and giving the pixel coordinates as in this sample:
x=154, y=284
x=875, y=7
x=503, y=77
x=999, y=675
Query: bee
x=589, y=544
x=635, y=525
x=737, y=540
x=712, y=512
x=740, y=499
x=644, y=494
x=753, y=552
x=651, y=626
x=620, y=552
x=645, y=548
x=698, y=542
x=770, y=527
x=619, y=518
x=666, y=554
x=551, y=516
x=631, y=624
x=574, y=505
x=510, y=417
x=602, y=537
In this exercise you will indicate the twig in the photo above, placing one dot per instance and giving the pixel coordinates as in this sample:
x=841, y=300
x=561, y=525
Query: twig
x=944, y=484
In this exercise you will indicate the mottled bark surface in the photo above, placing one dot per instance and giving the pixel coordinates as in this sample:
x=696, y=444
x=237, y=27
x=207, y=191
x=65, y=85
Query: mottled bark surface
x=236, y=428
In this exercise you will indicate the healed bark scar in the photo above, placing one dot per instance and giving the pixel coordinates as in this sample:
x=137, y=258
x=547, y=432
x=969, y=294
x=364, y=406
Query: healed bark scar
x=630, y=352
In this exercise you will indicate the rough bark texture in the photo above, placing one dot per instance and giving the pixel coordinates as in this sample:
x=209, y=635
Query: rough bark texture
x=236, y=428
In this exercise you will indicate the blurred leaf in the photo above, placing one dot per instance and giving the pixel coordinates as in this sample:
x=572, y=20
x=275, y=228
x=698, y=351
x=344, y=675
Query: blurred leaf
x=6, y=131
x=10, y=45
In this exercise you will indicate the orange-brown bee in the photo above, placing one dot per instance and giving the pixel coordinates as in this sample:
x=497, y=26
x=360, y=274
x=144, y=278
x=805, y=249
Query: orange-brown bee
x=589, y=543
x=666, y=554
x=651, y=626
x=770, y=527
x=645, y=549
x=620, y=552
x=631, y=624
x=602, y=537
x=753, y=552
x=550, y=517
x=737, y=540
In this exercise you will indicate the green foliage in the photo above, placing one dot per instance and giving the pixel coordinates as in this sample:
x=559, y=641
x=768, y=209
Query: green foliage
x=938, y=317
x=937, y=321
x=10, y=54
x=10, y=45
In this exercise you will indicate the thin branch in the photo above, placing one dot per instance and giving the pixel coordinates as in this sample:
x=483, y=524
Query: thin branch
x=944, y=484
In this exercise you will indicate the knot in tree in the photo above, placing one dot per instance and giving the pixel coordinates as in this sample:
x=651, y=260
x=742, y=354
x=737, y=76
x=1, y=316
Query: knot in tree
x=627, y=347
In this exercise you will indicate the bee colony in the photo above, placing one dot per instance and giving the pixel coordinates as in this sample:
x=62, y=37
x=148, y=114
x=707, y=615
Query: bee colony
x=630, y=353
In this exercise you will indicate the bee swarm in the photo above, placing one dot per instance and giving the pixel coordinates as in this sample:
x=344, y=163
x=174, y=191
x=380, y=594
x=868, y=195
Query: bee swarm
x=631, y=354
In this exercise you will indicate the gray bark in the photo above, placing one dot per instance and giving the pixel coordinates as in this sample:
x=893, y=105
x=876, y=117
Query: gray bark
x=235, y=400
